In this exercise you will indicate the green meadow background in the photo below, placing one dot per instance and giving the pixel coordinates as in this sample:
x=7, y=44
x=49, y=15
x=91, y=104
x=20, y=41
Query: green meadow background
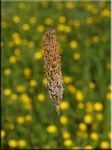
x=28, y=118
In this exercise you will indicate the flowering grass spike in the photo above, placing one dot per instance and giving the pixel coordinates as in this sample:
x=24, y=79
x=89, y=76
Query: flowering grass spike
x=53, y=68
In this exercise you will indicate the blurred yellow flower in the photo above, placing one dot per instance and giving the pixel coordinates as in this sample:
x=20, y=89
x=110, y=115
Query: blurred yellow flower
x=14, y=96
x=17, y=52
x=41, y=97
x=27, y=106
x=89, y=106
x=94, y=136
x=40, y=28
x=20, y=88
x=61, y=27
x=109, y=95
x=59, y=5
x=80, y=105
x=51, y=129
x=48, y=21
x=69, y=5
x=83, y=126
x=3, y=24
x=98, y=106
x=22, y=5
x=12, y=143
x=12, y=59
x=105, y=145
x=16, y=19
x=73, y=44
x=96, y=39
x=76, y=148
x=67, y=79
x=66, y=135
x=26, y=27
x=7, y=71
x=67, y=29
x=68, y=142
x=91, y=85
x=28, y=118
x=22, y=143
x=88, y=119
x=76, y=56
x=89, y=20
x=33, y=83
x=27, y=72
x=20, y=119
x=47, y=146
x=64, y=105
x=105, y=13
x=99, y=116
x=32, y=20
x=10, y=126
x=88, y=147
x=77, y=24
x=37, y=55
x=44, y=82
x=79, y=95
x=7, y=92
x=62, y=19
x=63, y=120
x=25, y=98
x=3, y=134
x=71, y=88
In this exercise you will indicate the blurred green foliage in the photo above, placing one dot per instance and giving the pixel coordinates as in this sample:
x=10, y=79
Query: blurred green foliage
x=83, y=31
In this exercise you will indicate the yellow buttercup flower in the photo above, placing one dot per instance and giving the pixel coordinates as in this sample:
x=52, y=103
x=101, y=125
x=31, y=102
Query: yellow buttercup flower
x=89, y=147
x=12, y=143
x=12, y=59
x=33, y=83
x=68, y=142
x=66, y=135
x=98, y=106
x=59, y=5
x=61, y=27
x=83, y=126
x=7, y=92
x=69, y=5
x=77, y=24
x=51, y=129
x=94, y=136
x=20, y=119
x=71, y=88
x=89, y=106
x=67, y=29
x=105, y=145
x=80, y=105
x=26, y=27
x=16, y=19
x=28, y=118
x=40, y=28
x=89, y=20
x=20, y=88
x=99, y=116
x=7, y=71
x=22, y=5
x=44, y=82
x=48, y=21
x=25, y=98
x=88, y=119
x=3, y=134
x=91, y=85
x=62, y=19
x=79, y=95
x=22, y=143
x=32, y=20
x=67, y=79
x=105, y=13
x=76, y=56
x=73, y=44
x=38, y=55
x=14, y=97
x=63, y=120
x=96, y=39
x=27, y=72
x=64, y=105
x=41, y=97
